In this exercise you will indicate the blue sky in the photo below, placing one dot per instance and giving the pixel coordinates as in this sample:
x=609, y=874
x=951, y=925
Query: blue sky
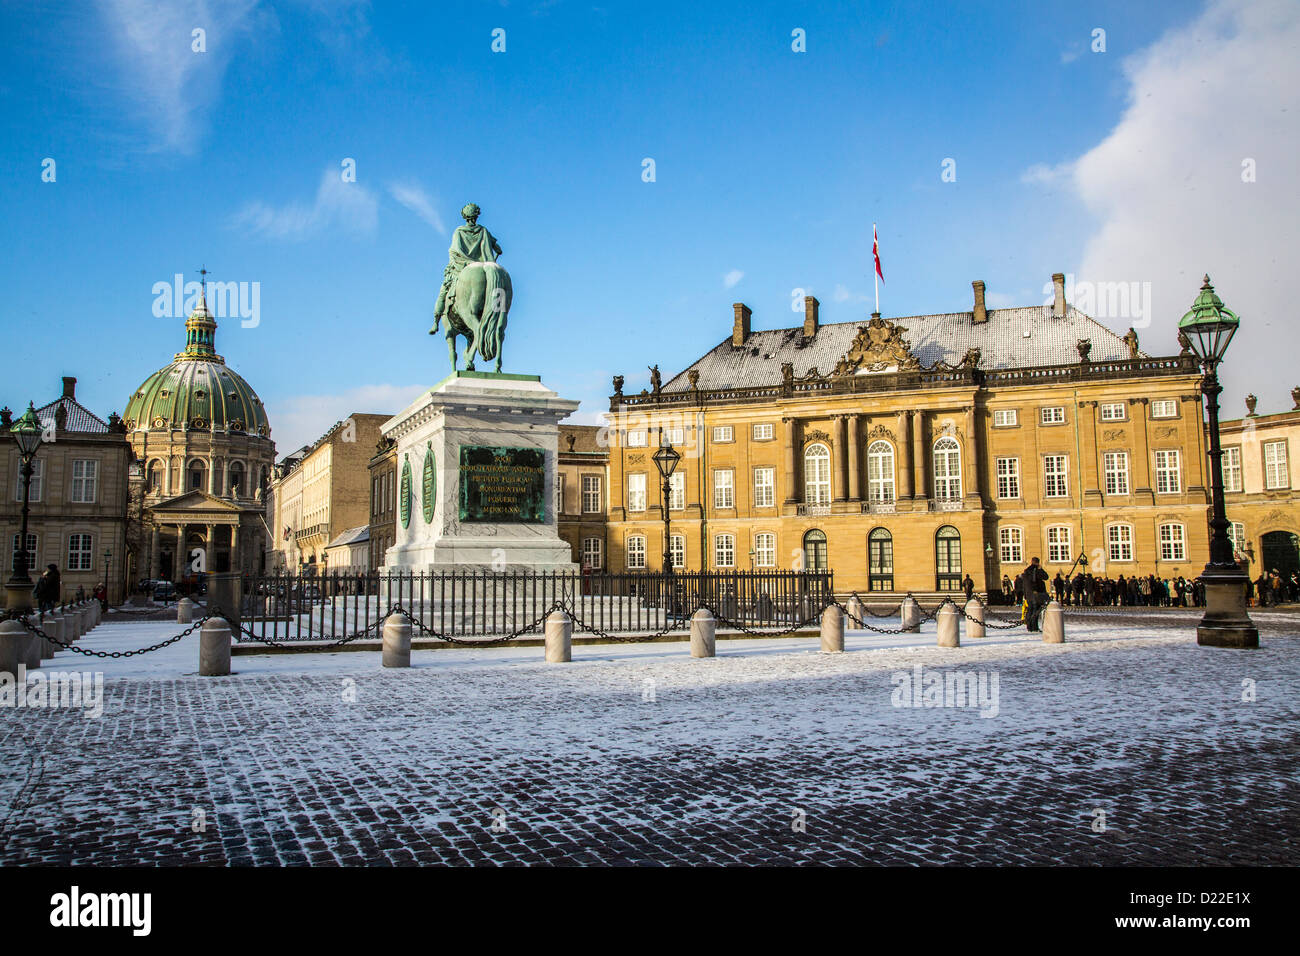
x=770, y=166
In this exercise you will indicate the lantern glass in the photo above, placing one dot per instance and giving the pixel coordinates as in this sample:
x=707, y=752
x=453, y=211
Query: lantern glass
x=27, y=432
x=666, y=459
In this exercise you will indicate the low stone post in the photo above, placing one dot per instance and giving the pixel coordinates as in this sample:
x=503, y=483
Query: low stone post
x=86, y=623
x=71, y=625
x=1053, y=623
x=832, y=630
x=704, y=634
x=184, y=611
x=36, y=650
x=911, y=614
x=53, y=628
x=948, y=620
x=974, y=618
x=15, y=647
x=856, y=610
x=214, y=648
x=397, y=640
x=559, y=638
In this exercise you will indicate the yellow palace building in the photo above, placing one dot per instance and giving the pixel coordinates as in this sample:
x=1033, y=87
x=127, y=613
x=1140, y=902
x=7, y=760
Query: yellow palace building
x=906, y=453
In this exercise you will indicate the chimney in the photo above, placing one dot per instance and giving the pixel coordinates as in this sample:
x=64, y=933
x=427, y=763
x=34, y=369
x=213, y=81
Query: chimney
x=981, y=313
x=1058, y=295
x=810, y=305
x=69, y=387
x=740, y=331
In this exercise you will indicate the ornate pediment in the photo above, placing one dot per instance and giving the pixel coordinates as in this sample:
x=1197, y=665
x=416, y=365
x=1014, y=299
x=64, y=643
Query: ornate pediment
x=879, y=346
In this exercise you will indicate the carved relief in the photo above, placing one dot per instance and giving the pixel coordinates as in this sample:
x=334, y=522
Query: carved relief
x=1113, y=434
x=880, y=431
x=878, y=346
x=816, y=434
x=1166, y=431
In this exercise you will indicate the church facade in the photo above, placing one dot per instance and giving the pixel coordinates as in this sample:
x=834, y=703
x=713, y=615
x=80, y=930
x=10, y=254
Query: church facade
x=905, y=454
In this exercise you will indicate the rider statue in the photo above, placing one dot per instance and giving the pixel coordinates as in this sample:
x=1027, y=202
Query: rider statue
x=469, y=243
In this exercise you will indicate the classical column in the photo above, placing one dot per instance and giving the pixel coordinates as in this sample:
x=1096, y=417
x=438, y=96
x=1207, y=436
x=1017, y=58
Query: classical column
x=212, y=475
x=1091, y=469
x=168, y=464
x=1142, y=469
x=208, y=565
x=855, y=459
x=921, y=487
x=155, y=552
x=905, y=491
x=235, y=563
x=841, y=459
x=181, y=558
x=973, y=474
x=793, y=493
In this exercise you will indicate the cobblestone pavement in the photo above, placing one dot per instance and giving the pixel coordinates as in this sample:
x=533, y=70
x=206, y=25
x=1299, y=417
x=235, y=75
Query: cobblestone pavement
x=769, y=754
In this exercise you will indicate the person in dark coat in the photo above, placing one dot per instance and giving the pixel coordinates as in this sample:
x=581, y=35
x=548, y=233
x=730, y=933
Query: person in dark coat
x=1035, y=584
x=968, y=586
x=1058, y=585
x=48, y=588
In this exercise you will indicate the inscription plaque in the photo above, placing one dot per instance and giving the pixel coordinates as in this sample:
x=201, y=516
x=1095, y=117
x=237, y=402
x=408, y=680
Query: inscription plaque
x=404, y=493
x=429, y=485
x=502, y=484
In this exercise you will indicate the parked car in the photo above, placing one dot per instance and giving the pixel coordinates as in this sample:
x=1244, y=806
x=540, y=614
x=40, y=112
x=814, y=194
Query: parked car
x=164, y=591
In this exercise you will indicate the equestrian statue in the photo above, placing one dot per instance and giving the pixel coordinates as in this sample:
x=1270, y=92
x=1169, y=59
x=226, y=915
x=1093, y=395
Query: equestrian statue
x=475, y=295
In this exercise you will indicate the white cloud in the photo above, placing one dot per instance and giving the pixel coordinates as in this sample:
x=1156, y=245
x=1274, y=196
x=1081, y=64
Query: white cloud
x=1166, y=186
x=414, y=198
x=302, y=419
x=731, y=278
x=338, y=206
x=1043, y=175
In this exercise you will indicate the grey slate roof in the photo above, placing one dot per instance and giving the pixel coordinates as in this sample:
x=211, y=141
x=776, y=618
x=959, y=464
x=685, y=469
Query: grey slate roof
x=351, y=536
x=1002, y=343
x=80, y=418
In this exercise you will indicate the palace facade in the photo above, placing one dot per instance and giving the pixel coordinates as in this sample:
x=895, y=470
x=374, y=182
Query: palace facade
x=906, y=453
x=1261, y=488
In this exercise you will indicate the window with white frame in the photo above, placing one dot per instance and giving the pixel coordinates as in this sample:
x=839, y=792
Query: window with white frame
x=947, y=469
x=1164, y=408
x=675, y=436
x=817, y=475
x=1237, y=535
x=1008, y=478
x=1119, y=542
x=593, y=554
x=1058, y=545
x=723, y=433
x=1052, y=414
x=1112, y=411
x=1172, y=547
x=763, y=432
x=1168, y=471
x=1005, y=417
x=38, y=473
x=1011, y=545
x=1055, y=476
x=1115, y=466
x=1276, y=474
x=636, y=492
x=880, y=472
x=590, y=494
x=764, y=487
x=724, y=550
x=676, y=491
x=80, y=554
x=559, y=494
x=31, y=553
x=677, y=549
x=85, y=477
x=724, y=488
x=636, y=552
x=765, y=550
x=1232, y=468
x=636, y=439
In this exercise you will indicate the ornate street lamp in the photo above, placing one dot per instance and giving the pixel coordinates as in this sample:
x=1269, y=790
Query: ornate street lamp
x=666, y=460
x=27, y=432
x=1209, y=326
x=108, y=564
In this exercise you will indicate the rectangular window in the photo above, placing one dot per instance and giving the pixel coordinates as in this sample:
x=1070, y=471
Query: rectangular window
x=1008, y=477
x=764, y=487
x=85, y=475
x=1005, y=417
x=724, y=551
x=559, y=494
x=1171, y=543
x=1011, y=545
x=1115, y=464
x=1237, y=535
x=636, y=439
x=677, y=548
x=763, y=432
x=723, y=433
x=636, y=492
x=32, y=564
x=1168, y=472
x=1164, y=408
x=765, y=550
x=1055, y=481
x=1058, y=545
x=590, y=494
x=1276, y=473
x=1232, y=468
x=38, y=473
x=1119, y=542
x=80, y=553
x=592, y=553
x=724, y=490
x=1052, y=414
x=636, y=553
x=676, y=491
x=1112, y=412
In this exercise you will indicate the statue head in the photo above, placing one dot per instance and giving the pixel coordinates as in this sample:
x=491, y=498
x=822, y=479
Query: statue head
x=470, y=213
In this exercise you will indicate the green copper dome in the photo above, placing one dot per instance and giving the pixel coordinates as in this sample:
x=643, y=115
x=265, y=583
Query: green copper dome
x=197, y=390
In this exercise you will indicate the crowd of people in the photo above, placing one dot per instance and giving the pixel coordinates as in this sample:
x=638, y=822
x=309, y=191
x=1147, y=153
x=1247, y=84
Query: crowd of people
x=1149, y=590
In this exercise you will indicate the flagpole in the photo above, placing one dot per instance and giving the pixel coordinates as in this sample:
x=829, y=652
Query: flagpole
x=875, y=276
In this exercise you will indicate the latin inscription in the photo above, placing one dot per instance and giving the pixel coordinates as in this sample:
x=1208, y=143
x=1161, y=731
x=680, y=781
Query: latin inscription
x=502, y=484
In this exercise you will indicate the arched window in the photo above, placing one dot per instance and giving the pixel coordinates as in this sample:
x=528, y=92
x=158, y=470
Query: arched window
x=947, y=469
x=817, y=475
x=154, y=480
x=196, y=471
x=947, y=559
x=880, y=560
x=814, y=551
x=880, y=472
x=237, y=479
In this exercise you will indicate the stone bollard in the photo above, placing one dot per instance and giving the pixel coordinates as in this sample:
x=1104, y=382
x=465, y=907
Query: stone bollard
x=86, y=624
x=832, y=630
x=704, y=634
x=36, y=651
x=184, y=611
x=911, y=615
x=397, y=640
x=948, y=618
x=1053, y=623
x=856, y=611
x=974, y=618
x=214, y=648
x=53, y=627
x=71, y=625
x=15, y=647
x=559, y=638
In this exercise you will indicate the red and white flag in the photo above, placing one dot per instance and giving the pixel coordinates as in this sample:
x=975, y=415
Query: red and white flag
x=875, y=251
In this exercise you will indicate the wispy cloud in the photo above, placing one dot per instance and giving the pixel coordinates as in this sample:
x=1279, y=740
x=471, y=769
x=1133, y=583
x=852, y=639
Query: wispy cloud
x=338, y=207
x=842, y=293
x=731, y=278
x=1041, y=174
x=413, y=197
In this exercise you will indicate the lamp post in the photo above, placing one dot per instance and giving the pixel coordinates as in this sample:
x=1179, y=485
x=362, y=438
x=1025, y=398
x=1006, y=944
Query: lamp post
x=27, y=432
x=666, y=460
x=1209, y=326
x=108, y=563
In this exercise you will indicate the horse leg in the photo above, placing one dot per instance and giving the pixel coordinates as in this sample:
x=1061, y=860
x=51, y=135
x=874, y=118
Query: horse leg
x=451, y=344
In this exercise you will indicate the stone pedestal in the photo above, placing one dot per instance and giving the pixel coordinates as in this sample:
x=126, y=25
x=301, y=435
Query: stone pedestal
x=947, y=621
x=704, y=634
x=52, y=627
x=15, y=647
x=214, y=649
x=832, y=630
x=1053, y=623
x=1226, y=623
x=974, y=618
x=476, y=464
x=184, y=611
x=559, y=638
x=397, y=641
x=910, y=614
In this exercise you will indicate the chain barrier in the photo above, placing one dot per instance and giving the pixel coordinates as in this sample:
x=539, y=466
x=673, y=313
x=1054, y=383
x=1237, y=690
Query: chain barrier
x=25, y=620
x=630, y=638
x=484, y=642
x=746, y=629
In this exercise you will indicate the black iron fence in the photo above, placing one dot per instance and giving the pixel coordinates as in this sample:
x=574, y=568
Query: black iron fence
x=326, y=607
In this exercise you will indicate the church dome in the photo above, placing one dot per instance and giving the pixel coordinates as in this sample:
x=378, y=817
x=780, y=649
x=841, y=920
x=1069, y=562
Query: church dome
x=197, y=390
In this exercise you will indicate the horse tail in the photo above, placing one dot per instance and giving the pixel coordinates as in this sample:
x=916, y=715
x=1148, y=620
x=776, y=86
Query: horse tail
x=496, y=304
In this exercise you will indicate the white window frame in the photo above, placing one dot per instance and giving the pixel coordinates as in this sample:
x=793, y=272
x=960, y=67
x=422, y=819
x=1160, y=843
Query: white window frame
x=947, y=477
x=636, y=491
x=1011, y=545
x=559, y=493
x=1052, y=415
x=1169, y=471
x=591, y=494
x=1119, y=542
x=675, y=436
x=636, y=438
x=880, y=472
x=84, y=487
x=764, y=486
x=1236, y=534
x=38, y=481
x=1060, y=550
x=1056, y=476
x=1173, y=541
x=677, y=549
x=765, y=550
x=1231, y=468
x=763, y=432
x=1008, y=477
x=677, y=491
x=1113, y=411
x=1277, y=473
x=593, y=552
x=636, y=552
x=817, y=474
x=723, y=434
x=724, y=550
x=1006, y=417
x=1164, y=408
x=1115, y=472
x=724, y=488
x=81, y=551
